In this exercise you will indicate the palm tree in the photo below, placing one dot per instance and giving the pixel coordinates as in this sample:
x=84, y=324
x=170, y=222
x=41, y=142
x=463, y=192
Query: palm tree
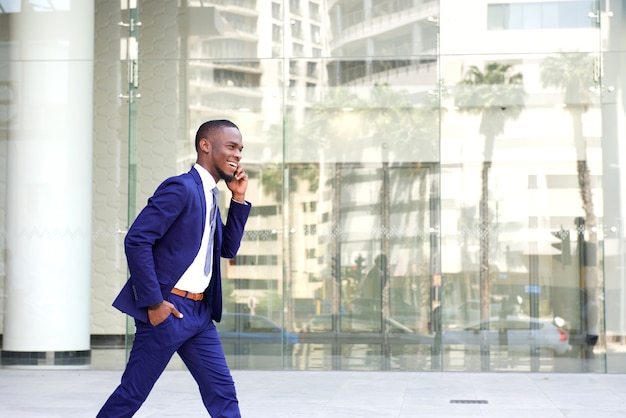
x=497, y=96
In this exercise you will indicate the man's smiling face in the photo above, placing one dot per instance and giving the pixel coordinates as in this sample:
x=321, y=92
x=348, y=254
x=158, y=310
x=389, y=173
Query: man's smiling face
x=225, y=148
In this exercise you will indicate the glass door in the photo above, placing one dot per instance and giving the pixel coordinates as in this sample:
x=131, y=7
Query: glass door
x=375, y=298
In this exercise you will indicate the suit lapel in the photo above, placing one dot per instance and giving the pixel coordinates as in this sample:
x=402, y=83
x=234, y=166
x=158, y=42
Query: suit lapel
x=196, y=176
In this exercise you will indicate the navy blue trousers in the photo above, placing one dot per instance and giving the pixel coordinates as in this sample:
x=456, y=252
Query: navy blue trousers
x=195, y=339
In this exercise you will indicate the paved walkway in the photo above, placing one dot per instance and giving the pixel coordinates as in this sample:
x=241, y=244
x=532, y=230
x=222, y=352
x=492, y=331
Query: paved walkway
x=35, y=393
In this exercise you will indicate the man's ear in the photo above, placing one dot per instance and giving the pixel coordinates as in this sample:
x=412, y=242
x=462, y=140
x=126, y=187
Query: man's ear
x=205, y=145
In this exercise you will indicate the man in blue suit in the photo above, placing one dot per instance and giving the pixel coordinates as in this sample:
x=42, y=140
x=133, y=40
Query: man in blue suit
x=174, y=291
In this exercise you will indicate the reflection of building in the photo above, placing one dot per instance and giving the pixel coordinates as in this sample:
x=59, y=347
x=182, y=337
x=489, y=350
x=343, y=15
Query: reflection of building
x=234, y=83
x=569, y=110
x=372, y=41
x=238, y=83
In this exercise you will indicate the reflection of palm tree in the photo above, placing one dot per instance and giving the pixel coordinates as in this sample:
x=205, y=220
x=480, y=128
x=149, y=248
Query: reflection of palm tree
x=497, y=96
x=393, y=116
x=326, y=128
x=273, y=177
x=271, y=174
x=573, y=73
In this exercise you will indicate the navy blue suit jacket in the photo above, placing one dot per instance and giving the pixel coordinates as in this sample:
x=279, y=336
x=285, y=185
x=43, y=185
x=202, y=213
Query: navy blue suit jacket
x=164, y=240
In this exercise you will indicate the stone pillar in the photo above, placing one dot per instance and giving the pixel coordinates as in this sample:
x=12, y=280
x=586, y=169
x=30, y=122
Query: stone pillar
x=49, y=178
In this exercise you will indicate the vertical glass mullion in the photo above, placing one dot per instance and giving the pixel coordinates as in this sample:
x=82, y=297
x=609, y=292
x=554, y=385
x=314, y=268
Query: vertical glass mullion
x=132, y=61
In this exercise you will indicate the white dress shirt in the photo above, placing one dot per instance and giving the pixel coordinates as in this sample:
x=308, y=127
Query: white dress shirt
x=193, y=279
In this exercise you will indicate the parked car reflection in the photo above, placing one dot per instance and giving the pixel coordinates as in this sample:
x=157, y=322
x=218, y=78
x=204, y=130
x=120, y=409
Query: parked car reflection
x=513, y=332
x=467, y=312
x=400, y=311
x=252, y=329
x=361, y=342
x=255, y=342
x=371, y=326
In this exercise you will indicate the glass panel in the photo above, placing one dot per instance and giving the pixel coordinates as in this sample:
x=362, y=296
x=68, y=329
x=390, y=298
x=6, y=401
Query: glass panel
x=436, y=184
x=525, y=275
x=359, y=187
x=185, y=88
x=111, y=128
x=342, y=140
x=132, y=97
x=612, y=319
x=362, y=312
x=252, y=281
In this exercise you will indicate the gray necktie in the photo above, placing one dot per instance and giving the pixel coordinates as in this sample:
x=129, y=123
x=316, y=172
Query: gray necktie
x=212, y=221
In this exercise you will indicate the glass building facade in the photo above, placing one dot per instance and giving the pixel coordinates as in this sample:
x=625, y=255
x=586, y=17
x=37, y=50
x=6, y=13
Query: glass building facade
x=437, y=185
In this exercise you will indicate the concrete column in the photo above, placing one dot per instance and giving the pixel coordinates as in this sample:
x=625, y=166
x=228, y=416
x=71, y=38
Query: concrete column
x=49, y=179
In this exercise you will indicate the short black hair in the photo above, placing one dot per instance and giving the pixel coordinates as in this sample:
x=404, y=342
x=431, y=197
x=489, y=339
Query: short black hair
x=207, y=128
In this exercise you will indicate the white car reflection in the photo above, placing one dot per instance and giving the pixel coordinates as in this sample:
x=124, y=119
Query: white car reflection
x=468, y=312
x=320, y=328
x=520, y=332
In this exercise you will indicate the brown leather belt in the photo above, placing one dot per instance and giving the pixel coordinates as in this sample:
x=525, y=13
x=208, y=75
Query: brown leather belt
x=188, y=295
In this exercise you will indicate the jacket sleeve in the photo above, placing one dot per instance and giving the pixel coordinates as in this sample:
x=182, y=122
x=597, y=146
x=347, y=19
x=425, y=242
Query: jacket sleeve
x=233, y=230
x=163, y=208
